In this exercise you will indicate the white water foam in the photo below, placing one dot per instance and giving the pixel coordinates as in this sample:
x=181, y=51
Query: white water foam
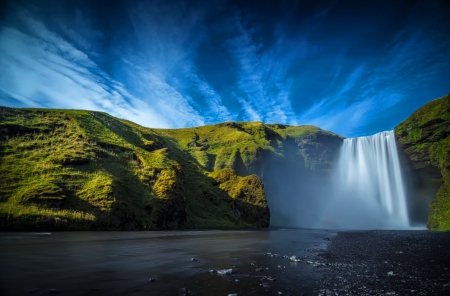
x=369, y=186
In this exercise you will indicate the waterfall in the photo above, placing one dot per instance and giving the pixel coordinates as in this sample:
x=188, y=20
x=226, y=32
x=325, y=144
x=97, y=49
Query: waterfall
x=369, y=188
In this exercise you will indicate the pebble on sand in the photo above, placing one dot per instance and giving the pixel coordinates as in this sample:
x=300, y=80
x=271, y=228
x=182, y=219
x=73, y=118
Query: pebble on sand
x=225, y=271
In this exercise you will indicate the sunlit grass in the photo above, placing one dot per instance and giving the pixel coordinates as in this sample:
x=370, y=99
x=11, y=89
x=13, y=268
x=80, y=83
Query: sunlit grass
x=89, y=166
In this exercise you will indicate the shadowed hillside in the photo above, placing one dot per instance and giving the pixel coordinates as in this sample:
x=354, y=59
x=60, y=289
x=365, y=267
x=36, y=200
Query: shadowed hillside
x=67, y=169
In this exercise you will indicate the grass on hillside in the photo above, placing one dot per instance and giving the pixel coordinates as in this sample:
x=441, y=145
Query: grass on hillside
x=75, y=169
x=216, y=146
x=427, y=131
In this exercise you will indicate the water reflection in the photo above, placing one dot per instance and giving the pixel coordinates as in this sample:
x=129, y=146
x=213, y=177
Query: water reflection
x=118, y=263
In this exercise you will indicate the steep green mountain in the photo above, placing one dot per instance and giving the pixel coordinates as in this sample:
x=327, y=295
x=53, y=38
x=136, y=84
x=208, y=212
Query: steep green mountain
x=68, y=169
x=424, y=137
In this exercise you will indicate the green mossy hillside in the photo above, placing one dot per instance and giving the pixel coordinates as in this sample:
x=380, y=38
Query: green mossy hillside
x=80, y=170
x=247, y=194
x=244, y=145
x=424, y=137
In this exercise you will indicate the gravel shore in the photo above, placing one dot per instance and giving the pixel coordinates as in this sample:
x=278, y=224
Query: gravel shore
x=387, y=263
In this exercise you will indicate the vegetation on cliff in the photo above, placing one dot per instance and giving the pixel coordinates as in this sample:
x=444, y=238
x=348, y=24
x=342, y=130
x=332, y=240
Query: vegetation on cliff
x=69, y=169
x=424, y=137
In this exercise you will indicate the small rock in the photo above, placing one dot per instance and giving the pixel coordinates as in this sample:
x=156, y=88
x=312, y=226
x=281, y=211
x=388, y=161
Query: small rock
x=193, y=259
x=265, y=286
x=234, y=294
x=295, y=259
x=390, y=273
x=225, y=271
x=259, y=269
x=151, y=280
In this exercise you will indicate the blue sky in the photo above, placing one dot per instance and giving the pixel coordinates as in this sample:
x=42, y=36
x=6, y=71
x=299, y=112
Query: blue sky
x=352, y=67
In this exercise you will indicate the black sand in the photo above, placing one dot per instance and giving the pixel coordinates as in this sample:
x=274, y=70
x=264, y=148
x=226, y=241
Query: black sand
x=387, y=263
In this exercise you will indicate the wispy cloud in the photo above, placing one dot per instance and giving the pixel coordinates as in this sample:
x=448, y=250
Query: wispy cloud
x=386, y=81
x=167, y=35
x=154, y=62
x=263, y=81
x=353, y=104
x=42, y=69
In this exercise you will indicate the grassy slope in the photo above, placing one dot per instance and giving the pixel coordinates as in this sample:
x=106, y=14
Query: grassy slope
x=217, y=146
x=426, y=134
x=68, y=169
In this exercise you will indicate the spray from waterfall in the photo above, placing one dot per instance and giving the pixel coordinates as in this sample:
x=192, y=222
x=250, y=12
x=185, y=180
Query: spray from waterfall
x=369, y=187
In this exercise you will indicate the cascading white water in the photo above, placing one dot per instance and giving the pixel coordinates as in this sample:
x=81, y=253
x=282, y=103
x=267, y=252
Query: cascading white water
x=370, y=191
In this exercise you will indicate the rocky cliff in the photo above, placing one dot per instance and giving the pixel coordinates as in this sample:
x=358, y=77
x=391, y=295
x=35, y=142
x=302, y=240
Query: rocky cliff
x=424, y=139
x=67, y=169
x=294, y=162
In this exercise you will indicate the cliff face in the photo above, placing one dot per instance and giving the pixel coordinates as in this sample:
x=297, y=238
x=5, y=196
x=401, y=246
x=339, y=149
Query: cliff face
x=424, y=138
x=294, y=163
x=66, y=169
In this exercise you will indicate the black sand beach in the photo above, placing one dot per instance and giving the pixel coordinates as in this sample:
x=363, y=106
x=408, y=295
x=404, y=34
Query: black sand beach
x=387, y=263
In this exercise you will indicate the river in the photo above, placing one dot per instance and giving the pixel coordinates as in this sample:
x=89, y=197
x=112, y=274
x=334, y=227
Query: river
x=123, y=263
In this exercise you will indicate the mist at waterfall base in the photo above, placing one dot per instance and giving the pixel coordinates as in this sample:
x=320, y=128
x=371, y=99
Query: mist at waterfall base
x=365, y=189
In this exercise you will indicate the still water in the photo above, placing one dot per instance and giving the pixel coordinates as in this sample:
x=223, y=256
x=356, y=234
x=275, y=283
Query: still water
x=121, y=263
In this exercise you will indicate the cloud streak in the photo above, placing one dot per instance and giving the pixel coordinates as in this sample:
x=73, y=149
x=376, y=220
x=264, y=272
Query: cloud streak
x=264, y=87
x=177, y=64
x=42, y=69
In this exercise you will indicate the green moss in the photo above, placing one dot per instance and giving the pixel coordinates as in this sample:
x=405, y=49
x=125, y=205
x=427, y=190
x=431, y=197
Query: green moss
x=247, y=193
x=76, y=169
x=439, y=218
x=425, y=135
